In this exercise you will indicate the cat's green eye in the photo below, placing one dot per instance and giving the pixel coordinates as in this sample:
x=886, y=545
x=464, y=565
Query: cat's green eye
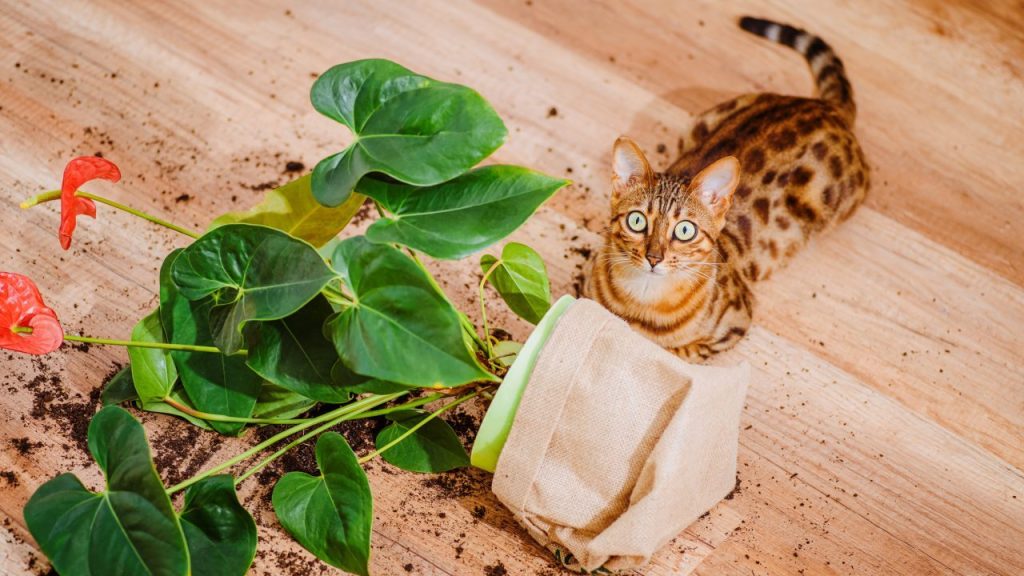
x=636, y=221
x=685, y=231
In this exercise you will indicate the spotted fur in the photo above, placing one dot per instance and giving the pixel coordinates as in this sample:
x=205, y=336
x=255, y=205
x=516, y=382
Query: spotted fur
x=800, y=171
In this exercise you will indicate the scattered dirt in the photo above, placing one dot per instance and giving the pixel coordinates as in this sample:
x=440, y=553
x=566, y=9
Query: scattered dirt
x=465, y=426
x=294, y=166
x=735, y=490
x=181, y=451
x=495, y=570
x=580, y=253
x=552, y=112
x=297, y=564
x=583, y=251
x=578, y=281
x=361, y=434
x=24, y=445
x=458, y=483
x=81, y=347
x=366, y=212
x=9, y=477
x=264, y=186
x=56, y=410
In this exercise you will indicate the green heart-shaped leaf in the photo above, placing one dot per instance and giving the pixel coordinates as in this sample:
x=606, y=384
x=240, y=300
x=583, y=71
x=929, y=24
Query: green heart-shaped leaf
x=220, y=533
x=128, y=529
x=359, y=384
x=433, y=447
x=410, y=127
x=331, y=515
x=461, y=216
x=374, y=386
x=278, y=402
x=153, y=369
x=293, y=209
x=400, y=329
x=251, y=273
x=215, y=383
x=293, y=353
x=119, y=389
x=521, y=279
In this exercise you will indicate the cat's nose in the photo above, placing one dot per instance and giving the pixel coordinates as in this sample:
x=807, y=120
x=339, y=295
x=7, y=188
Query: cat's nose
x=654, y=259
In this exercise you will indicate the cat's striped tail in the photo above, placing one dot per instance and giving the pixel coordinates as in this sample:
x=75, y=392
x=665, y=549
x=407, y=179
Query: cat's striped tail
x=829, y=74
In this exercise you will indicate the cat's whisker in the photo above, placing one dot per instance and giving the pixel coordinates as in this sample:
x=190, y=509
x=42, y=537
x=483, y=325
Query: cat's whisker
x=606, y=258
x=718, y=253
x=698, y=273
x=616, y=262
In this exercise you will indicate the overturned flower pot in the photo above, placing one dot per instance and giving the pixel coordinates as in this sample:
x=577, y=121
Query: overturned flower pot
x=605, y=446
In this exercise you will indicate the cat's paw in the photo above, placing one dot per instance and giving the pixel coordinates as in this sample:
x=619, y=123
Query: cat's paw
x=694, y=351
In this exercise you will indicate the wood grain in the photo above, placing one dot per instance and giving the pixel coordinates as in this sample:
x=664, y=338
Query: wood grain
x=884, y=431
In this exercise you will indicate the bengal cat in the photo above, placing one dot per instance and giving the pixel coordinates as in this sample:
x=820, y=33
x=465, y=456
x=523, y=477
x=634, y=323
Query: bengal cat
x=757, y=177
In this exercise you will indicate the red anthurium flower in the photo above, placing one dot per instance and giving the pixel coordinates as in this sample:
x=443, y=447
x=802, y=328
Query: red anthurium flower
x=78, y=172
x=26, y=324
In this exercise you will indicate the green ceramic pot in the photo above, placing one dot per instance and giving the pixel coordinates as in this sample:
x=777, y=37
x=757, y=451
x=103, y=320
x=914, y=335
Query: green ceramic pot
x=498, y=421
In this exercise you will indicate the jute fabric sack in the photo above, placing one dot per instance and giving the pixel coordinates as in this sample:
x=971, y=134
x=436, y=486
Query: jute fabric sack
x=617, y=445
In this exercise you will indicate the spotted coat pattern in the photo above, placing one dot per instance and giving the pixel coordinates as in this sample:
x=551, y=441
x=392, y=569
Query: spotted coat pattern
x=802, y=172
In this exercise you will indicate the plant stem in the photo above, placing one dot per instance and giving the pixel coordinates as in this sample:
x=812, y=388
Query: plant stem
x=407, y=406
x=139, y=213
x=138, y=344
x=468, y=327
x=269, y=459
x=55, y=195
x=337, y=295
x=40, y=198
x=416, y=427
x=483, y=308
x=358, y=405
x=331, y=424
x=222, y=418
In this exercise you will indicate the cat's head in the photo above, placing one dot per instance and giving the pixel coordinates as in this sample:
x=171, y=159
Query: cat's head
x=660, y=224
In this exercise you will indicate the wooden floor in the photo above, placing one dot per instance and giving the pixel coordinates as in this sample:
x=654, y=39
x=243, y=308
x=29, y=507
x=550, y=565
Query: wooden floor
x=884, y=430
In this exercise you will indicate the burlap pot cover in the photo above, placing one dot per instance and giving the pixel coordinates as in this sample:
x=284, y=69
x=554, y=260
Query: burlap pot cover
x=618, y=445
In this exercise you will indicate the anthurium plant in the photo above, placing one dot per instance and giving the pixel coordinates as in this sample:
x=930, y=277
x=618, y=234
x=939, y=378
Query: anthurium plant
x=267, y=317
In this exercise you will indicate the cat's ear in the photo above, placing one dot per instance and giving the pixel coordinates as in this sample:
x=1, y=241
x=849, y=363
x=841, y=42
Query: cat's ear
x=715, y=185
x=629, y=164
